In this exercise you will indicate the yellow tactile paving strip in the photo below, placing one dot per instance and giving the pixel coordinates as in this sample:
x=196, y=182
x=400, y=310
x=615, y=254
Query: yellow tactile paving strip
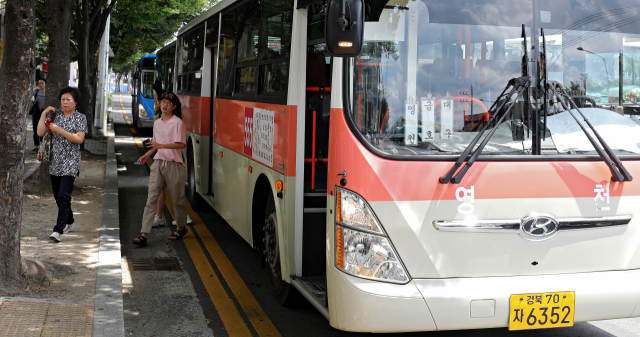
x=26, y=319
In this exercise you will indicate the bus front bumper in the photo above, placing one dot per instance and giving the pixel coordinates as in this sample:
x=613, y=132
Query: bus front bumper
x=445, y=304
x=145, y=123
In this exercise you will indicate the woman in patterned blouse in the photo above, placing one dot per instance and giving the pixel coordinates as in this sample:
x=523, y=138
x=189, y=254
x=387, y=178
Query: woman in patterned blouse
x=68, y=128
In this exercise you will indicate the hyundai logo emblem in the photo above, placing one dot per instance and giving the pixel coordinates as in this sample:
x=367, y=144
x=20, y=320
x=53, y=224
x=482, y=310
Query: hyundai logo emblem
x=538, y=227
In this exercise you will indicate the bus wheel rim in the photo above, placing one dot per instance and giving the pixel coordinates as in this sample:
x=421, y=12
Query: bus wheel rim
x=272, y=251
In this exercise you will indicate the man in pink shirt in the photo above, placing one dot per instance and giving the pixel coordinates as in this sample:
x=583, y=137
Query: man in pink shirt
x=169, y=138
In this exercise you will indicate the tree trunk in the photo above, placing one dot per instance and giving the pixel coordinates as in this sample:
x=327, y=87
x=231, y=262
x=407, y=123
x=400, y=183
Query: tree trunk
x=94, y=90
x=16, y=81
x=84, y=77
x=59, y=16
x=89, y=25
x=118, y=80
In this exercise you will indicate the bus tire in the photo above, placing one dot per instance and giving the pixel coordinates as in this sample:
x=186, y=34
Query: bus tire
x=283, y=292
x=134, y=113
x=192, y=195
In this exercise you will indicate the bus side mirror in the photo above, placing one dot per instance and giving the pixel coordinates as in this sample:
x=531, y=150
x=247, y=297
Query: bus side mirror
x=344, y=27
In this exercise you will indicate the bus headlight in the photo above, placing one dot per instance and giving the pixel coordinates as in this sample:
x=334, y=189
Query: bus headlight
x=362, y=247
x=353, y=211
x=142, y=113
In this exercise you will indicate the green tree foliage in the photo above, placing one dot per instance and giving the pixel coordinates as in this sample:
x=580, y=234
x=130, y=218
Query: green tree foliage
x=42, y=36
x=141, y=27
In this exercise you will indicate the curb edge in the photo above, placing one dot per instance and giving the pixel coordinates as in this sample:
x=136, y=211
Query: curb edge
x=30, y=172
x=108, y=318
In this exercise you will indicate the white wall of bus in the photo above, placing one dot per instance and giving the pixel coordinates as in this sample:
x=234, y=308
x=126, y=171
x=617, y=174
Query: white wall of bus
x=295, y=96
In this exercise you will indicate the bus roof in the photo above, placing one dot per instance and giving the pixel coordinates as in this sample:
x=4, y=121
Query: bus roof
x=170, y=46
x=209, y=13
x=148, y=55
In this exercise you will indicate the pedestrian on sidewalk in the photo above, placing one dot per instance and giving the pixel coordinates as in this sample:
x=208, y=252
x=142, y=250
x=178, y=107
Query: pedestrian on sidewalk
x=169, y=138
x=37, y=99
x=68, y=128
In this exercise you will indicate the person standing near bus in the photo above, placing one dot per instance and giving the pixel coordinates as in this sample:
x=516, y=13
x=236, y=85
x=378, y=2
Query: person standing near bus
x=38, y=95
x=158, y=219
x=169, y=138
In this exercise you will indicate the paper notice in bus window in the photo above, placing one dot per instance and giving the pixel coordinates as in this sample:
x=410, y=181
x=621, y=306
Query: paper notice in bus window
x=411, y=124
x=248, y=131
x=446, y=119
x=428, y=119
x=263, y=131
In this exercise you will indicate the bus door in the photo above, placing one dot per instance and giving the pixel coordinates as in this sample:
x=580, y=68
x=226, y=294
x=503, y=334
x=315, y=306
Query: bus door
x=134, y=93
x=212, y=39
x=317, y=113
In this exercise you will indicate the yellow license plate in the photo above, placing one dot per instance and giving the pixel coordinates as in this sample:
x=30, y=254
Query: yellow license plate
x=543, y=310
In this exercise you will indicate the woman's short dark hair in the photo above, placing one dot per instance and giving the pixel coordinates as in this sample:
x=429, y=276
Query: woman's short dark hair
x=175, y=100
x=74, y=92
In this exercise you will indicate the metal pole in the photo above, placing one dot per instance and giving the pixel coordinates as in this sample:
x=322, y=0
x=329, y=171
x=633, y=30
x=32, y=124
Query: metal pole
x=620, y=82
x=536, y=140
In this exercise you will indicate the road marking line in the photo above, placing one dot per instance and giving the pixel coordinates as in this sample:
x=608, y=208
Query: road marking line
x=227, y=310
x=259, y=319
x=129, y=122
x=139, y=142
x=127, y=117
x=132, y=130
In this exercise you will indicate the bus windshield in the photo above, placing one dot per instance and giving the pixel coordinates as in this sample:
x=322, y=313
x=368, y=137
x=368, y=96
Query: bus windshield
x=430, y=71
x=148, y=78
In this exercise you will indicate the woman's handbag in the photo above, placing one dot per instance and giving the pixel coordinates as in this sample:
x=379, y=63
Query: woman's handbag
x=34, y=109
x=44, y=151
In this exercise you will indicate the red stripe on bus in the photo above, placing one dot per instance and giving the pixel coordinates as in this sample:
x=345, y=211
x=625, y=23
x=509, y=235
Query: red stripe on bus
x=195, y=113
x=229, y=128
x=378, y=179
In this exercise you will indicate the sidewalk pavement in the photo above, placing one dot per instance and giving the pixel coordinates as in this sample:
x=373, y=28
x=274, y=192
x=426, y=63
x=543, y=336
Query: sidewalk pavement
x=21, y=316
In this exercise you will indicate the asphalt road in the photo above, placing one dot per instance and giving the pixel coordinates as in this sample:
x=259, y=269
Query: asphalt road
x=178, y=303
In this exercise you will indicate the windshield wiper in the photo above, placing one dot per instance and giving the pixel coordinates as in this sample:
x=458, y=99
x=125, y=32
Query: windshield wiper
x=618, y=172
x=515, y=86
x=525, y=72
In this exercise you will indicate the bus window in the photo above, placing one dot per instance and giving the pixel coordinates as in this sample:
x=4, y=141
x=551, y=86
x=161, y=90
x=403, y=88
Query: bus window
x=212, y=30
x=264, y=36
x=249, y=38
x=428, y=75
x=420, y=58
x=274, y=78
x=597, y=59
x=226, y=53
x=245, y=80
x=276, y=29
x=190, y=61
x=147, y=80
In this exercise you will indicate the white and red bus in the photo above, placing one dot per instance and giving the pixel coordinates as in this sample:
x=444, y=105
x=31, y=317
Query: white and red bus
x=332, y=165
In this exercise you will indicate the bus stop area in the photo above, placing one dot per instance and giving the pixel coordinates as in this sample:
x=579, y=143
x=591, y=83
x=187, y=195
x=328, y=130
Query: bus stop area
x=317, y=168
x=209, y=284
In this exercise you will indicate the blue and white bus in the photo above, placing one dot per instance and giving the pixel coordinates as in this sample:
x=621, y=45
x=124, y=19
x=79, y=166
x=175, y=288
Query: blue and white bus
x=142, y=107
